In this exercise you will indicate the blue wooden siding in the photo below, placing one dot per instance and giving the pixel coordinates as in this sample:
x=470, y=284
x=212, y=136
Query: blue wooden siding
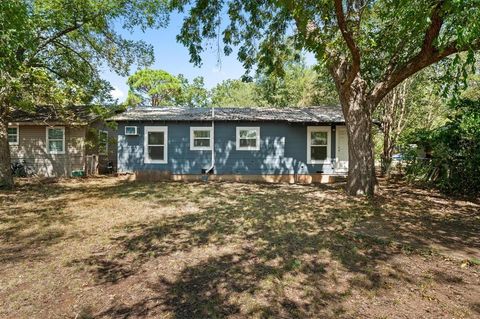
x=283, y=150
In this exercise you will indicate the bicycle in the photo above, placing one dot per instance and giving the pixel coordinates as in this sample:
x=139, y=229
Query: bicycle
x=22, y=169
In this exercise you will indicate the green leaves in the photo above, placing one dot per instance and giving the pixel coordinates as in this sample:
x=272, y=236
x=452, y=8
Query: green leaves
x=153, y=88
x=388, y=33
x=298, y=86
x=52, y=50
x=234, y=93
x=16, y=37
x=192, y=94
x=454, y=149
x=160, y=88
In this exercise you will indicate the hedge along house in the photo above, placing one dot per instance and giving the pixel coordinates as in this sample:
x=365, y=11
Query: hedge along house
x=48, y=145
x=243, y=144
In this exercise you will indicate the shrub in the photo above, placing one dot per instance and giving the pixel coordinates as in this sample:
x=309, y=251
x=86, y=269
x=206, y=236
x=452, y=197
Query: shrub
x=453, y=152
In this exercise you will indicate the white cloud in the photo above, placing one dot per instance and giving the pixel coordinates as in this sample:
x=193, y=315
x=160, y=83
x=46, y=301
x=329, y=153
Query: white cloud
x=117, y=93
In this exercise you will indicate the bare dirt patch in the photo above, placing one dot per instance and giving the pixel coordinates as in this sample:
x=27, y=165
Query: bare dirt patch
x=106, y=248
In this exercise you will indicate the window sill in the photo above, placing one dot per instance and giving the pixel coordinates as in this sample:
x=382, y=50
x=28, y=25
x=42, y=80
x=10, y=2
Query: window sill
x=248, y=149
x=327, y=161
x=155, y=162
x=201, y=149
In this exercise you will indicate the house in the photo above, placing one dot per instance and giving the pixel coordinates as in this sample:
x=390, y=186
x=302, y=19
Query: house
x=49, y=145
x=242, y=144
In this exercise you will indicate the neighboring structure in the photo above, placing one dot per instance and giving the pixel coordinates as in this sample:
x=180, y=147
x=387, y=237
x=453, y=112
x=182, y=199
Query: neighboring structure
x=50, y=146
x=259, y=144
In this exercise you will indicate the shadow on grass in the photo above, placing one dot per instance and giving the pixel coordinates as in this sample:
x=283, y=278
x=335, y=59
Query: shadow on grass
x=294, y=251
x=280, y=233
x=26, y=231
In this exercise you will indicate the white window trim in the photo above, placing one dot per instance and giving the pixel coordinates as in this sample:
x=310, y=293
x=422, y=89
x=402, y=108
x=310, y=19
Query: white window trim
x=311, y=129
x=48, y=140
x=18, y=134
x=192, y=138
x=106, y=146
x=129, y=126
x=146, y=158
x=248, y=148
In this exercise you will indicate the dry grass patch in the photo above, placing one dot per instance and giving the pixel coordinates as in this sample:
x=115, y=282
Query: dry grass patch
x=106, y=248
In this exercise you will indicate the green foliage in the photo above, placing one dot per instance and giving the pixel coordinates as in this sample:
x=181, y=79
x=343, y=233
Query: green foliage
x=153, y=88
x=388, y=34
x=454, y=163
x=234, y=93
x=52, y=50
x=157, y=88
x=298, y=86
x=193, y=94
x=422, y=108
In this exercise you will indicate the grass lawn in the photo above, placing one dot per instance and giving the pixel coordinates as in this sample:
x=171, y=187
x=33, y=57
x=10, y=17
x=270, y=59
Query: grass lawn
x=107, y=248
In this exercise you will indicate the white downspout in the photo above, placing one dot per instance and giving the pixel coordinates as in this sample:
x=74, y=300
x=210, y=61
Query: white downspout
x=213, y=140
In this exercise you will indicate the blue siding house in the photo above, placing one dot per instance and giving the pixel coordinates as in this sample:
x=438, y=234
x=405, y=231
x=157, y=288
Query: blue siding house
x=245, y=144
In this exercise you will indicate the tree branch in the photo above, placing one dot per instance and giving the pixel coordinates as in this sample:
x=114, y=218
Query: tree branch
x=76, y=26
x=60, y=34
x=436, y=22
x=427, y=55
x=416, y=64
x=44, y=66
x=76, y=53
x=352, y=46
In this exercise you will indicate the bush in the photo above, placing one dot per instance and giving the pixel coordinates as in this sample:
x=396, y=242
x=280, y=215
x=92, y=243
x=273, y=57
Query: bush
x=453, y=152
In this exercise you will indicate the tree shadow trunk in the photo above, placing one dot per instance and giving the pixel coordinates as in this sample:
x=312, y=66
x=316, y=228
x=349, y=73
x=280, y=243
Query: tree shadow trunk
x=6, y=178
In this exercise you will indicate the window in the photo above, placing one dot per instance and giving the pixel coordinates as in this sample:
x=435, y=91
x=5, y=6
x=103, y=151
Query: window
x=13, y=135
x=56, y=140
x=156, y=144
x=102, y=142
x=248, y=138
x=318, y=144
x=201, y=138
x=130, y=130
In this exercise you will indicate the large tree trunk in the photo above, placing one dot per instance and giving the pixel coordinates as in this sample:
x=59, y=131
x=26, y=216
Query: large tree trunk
x=6, y=178
x=358, y=115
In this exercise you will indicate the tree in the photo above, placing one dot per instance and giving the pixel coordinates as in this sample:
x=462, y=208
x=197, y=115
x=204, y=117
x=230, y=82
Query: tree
x=159, y=88
x=368, y=46
x=193, y=94
x=52, y=51
x=298, y=85
x=153, y=88
x=234, y=93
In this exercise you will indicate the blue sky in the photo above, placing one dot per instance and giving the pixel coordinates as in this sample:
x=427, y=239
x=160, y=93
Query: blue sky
x=173, y=58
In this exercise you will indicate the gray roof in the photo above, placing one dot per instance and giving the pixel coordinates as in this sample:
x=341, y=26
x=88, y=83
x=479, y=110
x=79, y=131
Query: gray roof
x=78, y=114
x=319, y=114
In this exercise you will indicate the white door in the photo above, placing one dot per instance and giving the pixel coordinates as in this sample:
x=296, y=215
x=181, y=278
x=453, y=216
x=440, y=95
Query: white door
x=341, y=163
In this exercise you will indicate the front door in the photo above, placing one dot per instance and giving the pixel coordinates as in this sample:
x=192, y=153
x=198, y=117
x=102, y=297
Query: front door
x=341, y=164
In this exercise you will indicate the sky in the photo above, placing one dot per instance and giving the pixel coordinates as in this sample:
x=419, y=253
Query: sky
x=174, y=58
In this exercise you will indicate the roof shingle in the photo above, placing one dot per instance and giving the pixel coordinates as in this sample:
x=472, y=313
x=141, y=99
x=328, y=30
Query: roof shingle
x=320, y=114
x=46, y=114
